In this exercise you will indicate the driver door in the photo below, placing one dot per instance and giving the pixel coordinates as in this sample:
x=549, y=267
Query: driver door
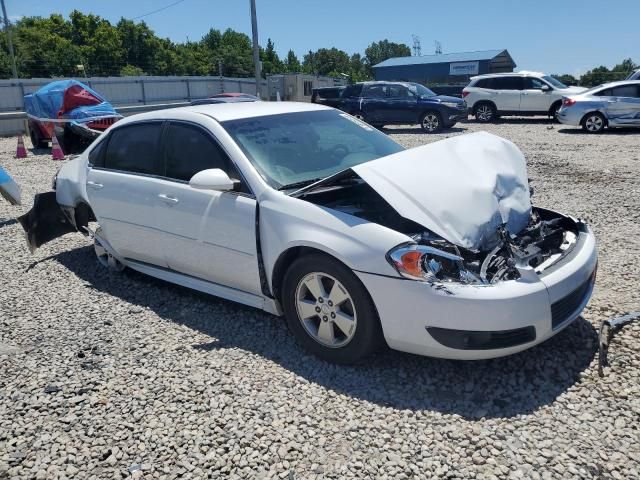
x=403, y=105
x=534, y=98
x=206, y=234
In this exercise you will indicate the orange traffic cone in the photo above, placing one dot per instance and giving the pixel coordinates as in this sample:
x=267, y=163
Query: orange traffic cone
x=56, y=151
x=21, y=152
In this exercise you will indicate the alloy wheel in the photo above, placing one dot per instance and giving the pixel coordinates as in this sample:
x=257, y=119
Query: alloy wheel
x=484, y=113
x=594, y=123
x=431, y=122
x=326, y=310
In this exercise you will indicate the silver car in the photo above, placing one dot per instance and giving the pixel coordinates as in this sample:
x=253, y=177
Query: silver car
x=615, y=104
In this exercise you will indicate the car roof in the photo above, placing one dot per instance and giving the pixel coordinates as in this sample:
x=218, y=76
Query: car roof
x=523, y=73
x=618, y=83
x=223, y=112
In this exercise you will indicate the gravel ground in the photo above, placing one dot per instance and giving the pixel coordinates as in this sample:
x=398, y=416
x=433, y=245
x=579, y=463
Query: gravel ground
x=109, y=375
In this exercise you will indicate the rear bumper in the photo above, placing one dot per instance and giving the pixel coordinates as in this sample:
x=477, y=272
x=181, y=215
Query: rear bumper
x=570, y=116
x=475, y=322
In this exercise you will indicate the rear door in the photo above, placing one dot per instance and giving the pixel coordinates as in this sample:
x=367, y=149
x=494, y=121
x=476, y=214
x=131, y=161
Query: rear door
x=121, y=186
x=403, y=105
x=623, y=105
x=508, y=91
x=205, y=234
x=375, y=103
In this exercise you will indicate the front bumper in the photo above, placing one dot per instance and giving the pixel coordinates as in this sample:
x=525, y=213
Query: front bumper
x=510, y=316
x=454, y=115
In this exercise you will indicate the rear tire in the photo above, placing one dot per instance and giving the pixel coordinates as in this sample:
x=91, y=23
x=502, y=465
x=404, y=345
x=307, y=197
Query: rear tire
x=36, y=138
x=485, y=112
x=553, y=111
x=329, y=311
x=594, y=122
x=359, y=114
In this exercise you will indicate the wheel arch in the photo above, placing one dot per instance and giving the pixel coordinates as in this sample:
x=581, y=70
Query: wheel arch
x=591, y=112
x=553, y=105
x=287, y=257
x=482, y=101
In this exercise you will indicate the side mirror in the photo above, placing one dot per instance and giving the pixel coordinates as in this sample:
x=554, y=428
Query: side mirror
x=545, y=88
x=212, y=179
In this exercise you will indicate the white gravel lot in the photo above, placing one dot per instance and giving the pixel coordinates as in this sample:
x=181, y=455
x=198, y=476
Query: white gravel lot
x=107, y=375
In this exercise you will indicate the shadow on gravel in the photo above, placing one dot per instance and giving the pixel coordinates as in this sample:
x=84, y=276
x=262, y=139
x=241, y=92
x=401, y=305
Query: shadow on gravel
x=606, y=132
x=418, y=129
x=503, y=387
x=6, y=223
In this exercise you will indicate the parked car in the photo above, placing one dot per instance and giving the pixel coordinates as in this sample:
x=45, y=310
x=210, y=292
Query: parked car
x=70, y=109
x=615, y=104
x=523, y=93
x=302, y=210
x=404, y=103
x=330, y=96
x=635, y=75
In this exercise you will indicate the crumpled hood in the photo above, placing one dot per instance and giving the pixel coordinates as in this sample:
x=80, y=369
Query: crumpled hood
x=462, y=188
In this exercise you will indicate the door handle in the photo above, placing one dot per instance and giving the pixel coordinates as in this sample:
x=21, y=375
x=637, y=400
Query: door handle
x=94, y=185
x=168, y=199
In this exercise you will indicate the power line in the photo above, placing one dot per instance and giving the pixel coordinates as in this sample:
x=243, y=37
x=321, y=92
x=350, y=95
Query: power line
x=158, y=10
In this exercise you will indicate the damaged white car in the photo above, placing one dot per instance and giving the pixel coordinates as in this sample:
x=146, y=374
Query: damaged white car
x=303, y=210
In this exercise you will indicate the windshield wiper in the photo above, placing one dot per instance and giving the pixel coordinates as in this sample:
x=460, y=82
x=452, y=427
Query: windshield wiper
x=301, y=184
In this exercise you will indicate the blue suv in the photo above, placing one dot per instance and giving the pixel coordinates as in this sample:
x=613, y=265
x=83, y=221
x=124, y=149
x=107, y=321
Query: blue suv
x=389, y=103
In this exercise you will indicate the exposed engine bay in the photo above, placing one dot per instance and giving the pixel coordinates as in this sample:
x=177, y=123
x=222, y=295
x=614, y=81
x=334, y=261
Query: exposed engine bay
x=547, y=238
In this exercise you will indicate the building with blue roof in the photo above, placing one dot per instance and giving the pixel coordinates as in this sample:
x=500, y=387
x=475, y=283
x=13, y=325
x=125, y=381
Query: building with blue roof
x=444, y=70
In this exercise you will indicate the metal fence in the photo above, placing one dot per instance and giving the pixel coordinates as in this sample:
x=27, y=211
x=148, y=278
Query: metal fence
x=132, y=93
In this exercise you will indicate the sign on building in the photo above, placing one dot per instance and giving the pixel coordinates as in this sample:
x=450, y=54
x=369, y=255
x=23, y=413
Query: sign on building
x=463, y=68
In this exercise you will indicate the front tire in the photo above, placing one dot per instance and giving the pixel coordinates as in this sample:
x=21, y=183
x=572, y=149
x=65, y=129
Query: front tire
x=36, y=138
x=431, y=122
x=359, y=114
x=485, y=112
x=329, y=311
x=105, y=259
x=594, y=122
x=553, y=111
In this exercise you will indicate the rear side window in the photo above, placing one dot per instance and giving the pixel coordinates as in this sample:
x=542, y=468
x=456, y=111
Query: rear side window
x=484, y=83
x=507, y=83
x=134, y=148
x=376, y=91
x=189, y=150
x=352, y=90
x=399, y=91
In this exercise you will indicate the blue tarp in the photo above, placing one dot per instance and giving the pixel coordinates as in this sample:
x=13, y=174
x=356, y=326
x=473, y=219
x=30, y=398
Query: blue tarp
x=67, y=99
x=8, y=188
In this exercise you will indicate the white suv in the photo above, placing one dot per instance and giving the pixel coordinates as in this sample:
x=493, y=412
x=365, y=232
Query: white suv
x=522, y=93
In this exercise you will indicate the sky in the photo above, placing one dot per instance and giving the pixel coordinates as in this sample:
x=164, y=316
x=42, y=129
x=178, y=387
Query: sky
x=567, y=36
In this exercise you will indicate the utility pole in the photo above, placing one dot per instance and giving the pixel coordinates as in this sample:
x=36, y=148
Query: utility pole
x=256, y=48
x=7, y=29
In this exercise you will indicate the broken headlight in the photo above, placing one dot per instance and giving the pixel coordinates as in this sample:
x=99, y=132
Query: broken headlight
x=421, y=262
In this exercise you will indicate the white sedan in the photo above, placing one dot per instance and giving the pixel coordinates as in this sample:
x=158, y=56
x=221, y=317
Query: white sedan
x=303, y=210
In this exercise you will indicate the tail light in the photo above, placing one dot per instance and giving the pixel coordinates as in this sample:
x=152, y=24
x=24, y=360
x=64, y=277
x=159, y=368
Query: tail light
x=464, y=94
x=567, y=102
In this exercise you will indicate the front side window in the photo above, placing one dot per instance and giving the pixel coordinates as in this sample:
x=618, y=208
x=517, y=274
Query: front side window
x=531, y=83
x=189, y=150
x=624, y=91
x=134, y=148
x=96, y=155
x=292, y=149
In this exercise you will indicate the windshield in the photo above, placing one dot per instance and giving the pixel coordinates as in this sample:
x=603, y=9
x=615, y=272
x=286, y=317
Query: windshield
x=555, y=82
x=294, y=149
x=420, y=90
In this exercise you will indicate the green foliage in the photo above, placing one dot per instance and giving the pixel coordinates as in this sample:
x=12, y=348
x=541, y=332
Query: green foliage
x=292, y=64
x=566, y=79
x=380, y=51
x=602, y=74
x=131, y=71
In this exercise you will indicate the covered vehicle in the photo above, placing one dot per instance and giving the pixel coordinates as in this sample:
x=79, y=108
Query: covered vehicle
x=70, y=109
x=304, y=210
x=9, y=189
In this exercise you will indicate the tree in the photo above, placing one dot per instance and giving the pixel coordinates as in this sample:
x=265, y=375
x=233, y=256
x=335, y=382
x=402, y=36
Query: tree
x=380, y=51
x=271, y=63
x=131, y=71
x=566, y=79
x=596, y=76
x=292, y=64
x=324, y=61
x=357, y=69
